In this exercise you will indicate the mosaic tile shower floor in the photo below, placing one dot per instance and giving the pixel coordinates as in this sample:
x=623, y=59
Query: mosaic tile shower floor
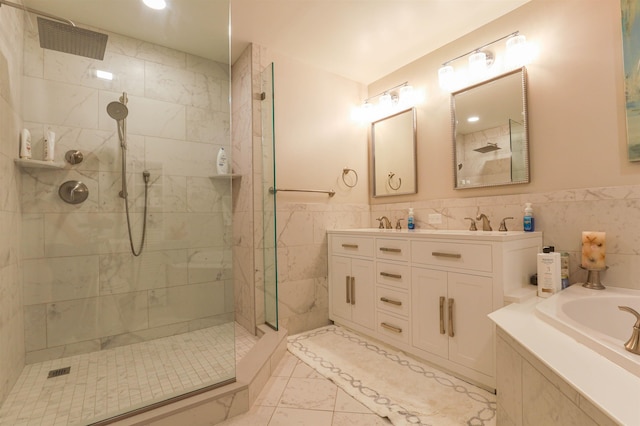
x=117, y=379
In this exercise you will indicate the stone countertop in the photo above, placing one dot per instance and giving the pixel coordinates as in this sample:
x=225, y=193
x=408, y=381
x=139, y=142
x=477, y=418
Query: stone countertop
x=610, y=387
x=441, y=234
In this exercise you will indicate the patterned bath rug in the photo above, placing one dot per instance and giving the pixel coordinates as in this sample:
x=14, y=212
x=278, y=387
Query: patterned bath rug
x=390, y=383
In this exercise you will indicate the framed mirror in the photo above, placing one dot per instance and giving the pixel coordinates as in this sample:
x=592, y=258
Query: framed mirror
x=489, y=128
x=393, y=151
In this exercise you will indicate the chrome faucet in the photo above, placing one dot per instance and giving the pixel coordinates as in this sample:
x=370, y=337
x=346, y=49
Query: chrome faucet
x=633, y=344
x=486, y=225
x=385, y=223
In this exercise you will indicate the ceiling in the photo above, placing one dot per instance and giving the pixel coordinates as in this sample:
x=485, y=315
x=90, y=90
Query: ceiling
x=362, y=40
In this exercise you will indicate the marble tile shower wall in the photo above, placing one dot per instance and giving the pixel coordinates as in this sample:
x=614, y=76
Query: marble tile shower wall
x=11, y=315
x=83, y=289
x=561, y=216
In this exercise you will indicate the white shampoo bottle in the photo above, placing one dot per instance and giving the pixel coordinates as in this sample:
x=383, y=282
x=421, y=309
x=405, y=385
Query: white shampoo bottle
x=549, y=268
x=49, y=145
x=25, y=144
x=222, y=163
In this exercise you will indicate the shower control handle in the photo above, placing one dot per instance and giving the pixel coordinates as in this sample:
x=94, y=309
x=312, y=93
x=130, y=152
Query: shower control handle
x=73, y=192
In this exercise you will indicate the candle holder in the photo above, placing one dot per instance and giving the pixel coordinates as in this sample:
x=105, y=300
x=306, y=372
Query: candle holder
x=593, y=278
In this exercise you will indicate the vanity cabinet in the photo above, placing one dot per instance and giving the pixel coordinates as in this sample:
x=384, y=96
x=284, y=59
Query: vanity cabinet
x=351, y=279
x=428, y=293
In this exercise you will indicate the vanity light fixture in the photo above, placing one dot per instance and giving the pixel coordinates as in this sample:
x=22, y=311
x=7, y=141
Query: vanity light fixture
x=392, y=100
x=155, y=4
x=481, y=60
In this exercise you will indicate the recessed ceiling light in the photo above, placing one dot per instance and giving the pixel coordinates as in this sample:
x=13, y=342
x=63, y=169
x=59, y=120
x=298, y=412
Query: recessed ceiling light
x=473, y=119
x=155, y=4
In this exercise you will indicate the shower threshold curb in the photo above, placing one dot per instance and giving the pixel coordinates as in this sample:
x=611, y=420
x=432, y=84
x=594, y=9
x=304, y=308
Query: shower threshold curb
x=221, y=403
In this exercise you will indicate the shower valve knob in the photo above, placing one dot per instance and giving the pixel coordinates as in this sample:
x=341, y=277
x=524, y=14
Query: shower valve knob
x=74, y=157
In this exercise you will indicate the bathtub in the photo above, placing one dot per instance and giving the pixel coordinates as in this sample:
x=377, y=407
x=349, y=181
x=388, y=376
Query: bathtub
x=592, y=318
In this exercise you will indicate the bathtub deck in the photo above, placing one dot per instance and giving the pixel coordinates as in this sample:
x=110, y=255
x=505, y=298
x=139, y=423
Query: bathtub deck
x=115, y=380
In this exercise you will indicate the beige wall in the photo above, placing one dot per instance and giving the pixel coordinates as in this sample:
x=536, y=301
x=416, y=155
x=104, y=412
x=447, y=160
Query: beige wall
x=576, y=101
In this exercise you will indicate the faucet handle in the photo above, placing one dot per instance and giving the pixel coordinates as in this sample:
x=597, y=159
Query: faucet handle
x=503, y=224
x=398, y=225
x=380, y=223
x=472, y=226
x=633, y=344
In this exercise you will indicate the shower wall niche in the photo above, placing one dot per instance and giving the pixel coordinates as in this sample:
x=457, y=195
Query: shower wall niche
x=83, y=289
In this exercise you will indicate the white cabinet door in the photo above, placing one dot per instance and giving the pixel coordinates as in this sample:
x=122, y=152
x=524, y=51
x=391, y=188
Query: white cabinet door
x=473, y=342
x=352, y=290
x=428, y=320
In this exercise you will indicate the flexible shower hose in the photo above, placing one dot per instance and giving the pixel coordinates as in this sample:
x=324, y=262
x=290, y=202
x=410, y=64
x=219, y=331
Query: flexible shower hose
x=125, y=195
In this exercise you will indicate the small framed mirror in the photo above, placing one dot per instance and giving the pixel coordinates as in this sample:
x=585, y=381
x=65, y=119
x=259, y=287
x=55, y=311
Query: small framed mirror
x=393, y=151
x=489, y=127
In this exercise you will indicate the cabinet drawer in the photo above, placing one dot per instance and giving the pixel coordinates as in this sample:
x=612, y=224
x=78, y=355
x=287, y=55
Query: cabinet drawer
x=476, y=257
x=387, y=248
x=393, y=274
x=393, y=301
x=354, y=246
x=393, y=328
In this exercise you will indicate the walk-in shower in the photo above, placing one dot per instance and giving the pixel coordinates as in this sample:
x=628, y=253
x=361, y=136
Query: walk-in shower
x=118, y=111
x=131, y=331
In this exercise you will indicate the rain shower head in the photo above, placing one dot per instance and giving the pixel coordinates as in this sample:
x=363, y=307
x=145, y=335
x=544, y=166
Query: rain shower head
x=69, y=39
x=490, y=147
x=62, y=35
x=117, y=110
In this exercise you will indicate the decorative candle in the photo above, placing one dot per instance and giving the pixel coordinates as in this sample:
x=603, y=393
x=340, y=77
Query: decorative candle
x=593, y=250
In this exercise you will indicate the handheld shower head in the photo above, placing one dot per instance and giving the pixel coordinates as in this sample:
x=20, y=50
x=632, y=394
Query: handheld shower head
x=117, y=110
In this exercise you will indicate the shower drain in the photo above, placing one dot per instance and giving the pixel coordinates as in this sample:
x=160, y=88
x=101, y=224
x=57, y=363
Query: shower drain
x=59, y=372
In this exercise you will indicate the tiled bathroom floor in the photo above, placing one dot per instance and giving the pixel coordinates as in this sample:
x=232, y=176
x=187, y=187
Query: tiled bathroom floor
x=297, y=395
x=119, y=379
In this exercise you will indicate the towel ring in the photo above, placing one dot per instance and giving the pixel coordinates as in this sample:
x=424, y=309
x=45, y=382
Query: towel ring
x=395, y=188
x=345, y=172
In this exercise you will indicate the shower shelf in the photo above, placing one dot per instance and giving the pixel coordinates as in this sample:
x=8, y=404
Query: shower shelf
x=38, y=164
x=226, y=176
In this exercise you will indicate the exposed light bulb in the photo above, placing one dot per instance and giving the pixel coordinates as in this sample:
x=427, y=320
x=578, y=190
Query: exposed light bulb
x=478, y=64
x=517, y=52
x=446, y=77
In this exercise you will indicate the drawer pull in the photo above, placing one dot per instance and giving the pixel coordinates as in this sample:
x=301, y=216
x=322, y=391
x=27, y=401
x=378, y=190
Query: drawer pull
x=441, y=254
x=451, y=332
x=353, y=290
x=348, y=290
x=391, y=250
x=352, y=246
x=442, y=330
x=389, y=275
x=391, y=301
x=391, y=327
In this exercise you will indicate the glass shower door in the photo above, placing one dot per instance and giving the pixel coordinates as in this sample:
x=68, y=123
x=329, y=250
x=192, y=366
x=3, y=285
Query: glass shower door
x=269, y=200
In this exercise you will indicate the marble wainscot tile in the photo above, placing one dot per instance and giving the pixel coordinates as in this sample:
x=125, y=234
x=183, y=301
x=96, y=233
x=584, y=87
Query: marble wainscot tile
x=123, y=273
x=60, y=103
x=146, y=117
x=301, y=262
x=61, y=278
x=184, y=303
x=35, y=327
x=79, y=320
x=295, y=228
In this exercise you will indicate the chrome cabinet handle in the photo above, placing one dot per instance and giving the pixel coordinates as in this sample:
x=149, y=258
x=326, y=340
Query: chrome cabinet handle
x=348, y=290
x=391, y=327
x=391, y=301
x=353, y=290
x=442, y=254
x=389, y=275
x=353, y=246
x=391, y=250
x=442, y=330
x=451, y=332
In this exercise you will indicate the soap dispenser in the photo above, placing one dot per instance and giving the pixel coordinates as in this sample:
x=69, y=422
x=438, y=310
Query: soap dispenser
x=410, y=220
